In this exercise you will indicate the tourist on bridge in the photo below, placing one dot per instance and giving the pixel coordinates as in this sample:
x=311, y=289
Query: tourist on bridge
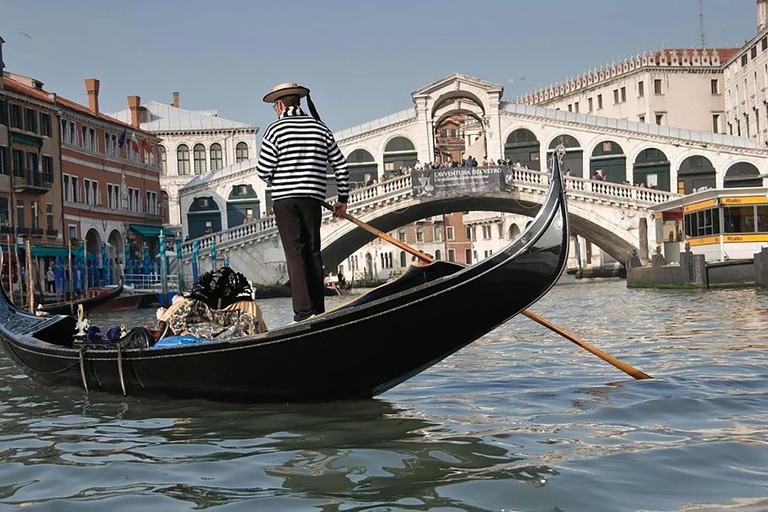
x=294, y=155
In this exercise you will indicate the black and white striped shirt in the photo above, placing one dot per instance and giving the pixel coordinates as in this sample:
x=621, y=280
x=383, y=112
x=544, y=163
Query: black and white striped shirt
x=295, y=152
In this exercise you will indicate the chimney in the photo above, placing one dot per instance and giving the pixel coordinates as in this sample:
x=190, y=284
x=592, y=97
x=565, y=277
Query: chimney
x=133, y=104
x=92, y=88
x=176, y=99
x=762, y=15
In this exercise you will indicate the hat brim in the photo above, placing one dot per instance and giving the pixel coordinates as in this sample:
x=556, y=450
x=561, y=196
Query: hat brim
x=290, y=91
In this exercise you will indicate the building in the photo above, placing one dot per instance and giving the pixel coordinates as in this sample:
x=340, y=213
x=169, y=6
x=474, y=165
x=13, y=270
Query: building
x=193, y=142
x=671, y=87
x=746, y=85
x=30, y=177
x=111, y=182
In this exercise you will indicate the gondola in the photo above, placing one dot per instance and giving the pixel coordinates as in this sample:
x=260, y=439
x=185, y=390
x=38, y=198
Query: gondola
x=70, y=308
x=358, y=350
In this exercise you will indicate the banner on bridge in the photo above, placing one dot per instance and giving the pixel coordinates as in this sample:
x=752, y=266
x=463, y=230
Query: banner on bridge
x=457, y=181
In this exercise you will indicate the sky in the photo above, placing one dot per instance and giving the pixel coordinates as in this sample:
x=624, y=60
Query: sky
x=361, y=58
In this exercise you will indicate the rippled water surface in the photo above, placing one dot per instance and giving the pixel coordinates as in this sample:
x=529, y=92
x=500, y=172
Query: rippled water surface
x=519, y=420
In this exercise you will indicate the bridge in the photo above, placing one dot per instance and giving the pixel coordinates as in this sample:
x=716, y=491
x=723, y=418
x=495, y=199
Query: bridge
x=614, y=217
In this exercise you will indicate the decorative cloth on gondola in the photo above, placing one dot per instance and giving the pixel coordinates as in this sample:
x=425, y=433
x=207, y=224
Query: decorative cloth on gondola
x=193, y=317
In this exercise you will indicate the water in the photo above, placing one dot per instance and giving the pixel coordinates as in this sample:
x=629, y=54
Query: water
x=519, y=420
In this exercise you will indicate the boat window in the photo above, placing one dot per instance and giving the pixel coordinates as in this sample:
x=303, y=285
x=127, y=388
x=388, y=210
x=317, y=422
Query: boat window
x=702, y=223
x=739, y=219
x=762, y=219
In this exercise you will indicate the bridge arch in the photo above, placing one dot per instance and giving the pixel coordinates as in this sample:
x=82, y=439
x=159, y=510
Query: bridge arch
x=514, y=232
x=398, y=150
x=742, y=174
x=362, y=167
x=242, y=205
x=522, y=145
x=203, y=217
x=694, y=173
x=456, y=95
x=574, y=154
x=608, y=157
x=651, y=168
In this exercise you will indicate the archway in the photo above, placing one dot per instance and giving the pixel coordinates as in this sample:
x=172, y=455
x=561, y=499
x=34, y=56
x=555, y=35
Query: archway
x=609, y=161
x=695, y=173
x=242, y=205
x=574, y=155
x=165, y=207
x=93, y=250
x=651, y=169
x=399, y=152
x=362, y=168
x=523, y=146
x=115, y=253
x=742, y=174
x=514, y=231
x=203, y=217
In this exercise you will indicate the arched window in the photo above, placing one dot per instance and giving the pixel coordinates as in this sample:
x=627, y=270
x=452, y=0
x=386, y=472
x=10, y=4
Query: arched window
x=182, y=159
x=199, y=155
x=403, y=259
x=241, y=152
x=165, y=207
x=163, y=160
x=522, y=147
x=438, y=234
x=419, y=234
x=217, y=158
x=362, y=167
x=399, y=152
x=438, y=255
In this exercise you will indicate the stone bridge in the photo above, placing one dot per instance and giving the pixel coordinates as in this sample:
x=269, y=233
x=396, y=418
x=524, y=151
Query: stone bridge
x=614, y=217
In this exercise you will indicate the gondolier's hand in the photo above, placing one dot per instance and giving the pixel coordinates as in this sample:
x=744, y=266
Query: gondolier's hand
x=339, y=209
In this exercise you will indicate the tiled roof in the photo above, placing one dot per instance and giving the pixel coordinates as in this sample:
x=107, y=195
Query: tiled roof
x=631, y=126
x=64, y=102
x=723, y=53
x=167, y=118
x=38, y=94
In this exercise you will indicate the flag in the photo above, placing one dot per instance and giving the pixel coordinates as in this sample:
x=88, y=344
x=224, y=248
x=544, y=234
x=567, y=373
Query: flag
x=121, y=140
x=134, y=143
x=145, y=144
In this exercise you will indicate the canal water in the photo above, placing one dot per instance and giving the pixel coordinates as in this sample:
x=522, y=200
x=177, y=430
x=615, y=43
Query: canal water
x=519, y=420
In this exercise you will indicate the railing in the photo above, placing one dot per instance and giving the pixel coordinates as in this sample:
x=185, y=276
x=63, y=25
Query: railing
x=401, y=187
x=151, y=282
x=32, y=179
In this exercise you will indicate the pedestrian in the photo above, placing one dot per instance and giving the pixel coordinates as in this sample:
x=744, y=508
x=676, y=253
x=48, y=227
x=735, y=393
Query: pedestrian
x=50, y=281
x=295, y=152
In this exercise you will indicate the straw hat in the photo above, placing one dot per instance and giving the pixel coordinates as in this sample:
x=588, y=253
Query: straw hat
x=285, y=89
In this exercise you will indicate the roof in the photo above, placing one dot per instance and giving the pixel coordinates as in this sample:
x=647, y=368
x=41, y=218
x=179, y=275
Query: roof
x=723, y=53
x=245, y=165
x=631, y=126
x=712, y=193
x=167, y=118
x=403, y=115
x=39, y=94
x=82, y=109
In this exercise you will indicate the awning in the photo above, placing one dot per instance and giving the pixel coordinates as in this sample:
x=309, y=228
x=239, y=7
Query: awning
x=151, y=231
x=49, y=251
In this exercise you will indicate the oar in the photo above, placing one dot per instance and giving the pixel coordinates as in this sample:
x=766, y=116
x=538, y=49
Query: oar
x=626, y=368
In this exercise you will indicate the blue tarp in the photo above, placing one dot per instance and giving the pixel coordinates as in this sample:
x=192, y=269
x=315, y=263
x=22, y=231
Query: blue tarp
x=174, y=341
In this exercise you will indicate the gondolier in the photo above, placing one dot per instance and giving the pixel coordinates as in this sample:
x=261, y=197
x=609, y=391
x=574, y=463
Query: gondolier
x=295, y=153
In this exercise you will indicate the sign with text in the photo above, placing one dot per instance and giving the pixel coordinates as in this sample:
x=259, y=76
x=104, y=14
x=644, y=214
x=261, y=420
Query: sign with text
x=457, y=181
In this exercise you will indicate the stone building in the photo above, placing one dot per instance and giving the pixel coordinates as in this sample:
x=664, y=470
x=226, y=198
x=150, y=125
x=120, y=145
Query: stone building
x=193, y=142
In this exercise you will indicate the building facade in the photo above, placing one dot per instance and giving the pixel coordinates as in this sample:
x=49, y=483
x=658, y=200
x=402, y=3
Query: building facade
x=111, y=182
x=193, y=143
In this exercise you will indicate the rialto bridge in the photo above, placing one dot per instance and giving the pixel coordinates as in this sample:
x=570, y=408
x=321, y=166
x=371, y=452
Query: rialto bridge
x=664, y=159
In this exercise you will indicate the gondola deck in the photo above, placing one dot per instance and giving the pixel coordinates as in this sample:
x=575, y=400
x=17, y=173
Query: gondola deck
x=359, y=350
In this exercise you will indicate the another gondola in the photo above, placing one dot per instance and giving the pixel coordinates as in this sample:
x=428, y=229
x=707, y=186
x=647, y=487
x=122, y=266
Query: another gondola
x=70, y=308
x=359, y=350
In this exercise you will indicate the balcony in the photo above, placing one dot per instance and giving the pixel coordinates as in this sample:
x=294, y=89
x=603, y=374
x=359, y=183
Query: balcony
x=36, y=232
x=51, y=233
x=31, y=182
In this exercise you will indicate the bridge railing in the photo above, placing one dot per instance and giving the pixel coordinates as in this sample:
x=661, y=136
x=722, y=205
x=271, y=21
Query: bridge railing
x=520, y=176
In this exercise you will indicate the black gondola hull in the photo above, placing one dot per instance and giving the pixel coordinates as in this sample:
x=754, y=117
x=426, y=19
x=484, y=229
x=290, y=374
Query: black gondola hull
x=70, y=308
x=356, y=352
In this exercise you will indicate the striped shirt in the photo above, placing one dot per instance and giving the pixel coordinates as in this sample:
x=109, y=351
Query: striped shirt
x=295, y=153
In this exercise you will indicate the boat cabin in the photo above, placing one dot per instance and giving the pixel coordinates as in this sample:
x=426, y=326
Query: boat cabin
x=722, y=224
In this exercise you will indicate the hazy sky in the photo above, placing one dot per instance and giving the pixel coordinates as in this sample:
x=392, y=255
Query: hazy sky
x=361, y=58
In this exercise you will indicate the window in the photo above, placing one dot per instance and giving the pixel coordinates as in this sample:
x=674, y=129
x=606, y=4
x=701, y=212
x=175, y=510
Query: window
x=113, y=196
x=5, y=214
x=4, y=164
x=576, y=107
x=32, y=161
x=623, y=94
x=163, y=160
x=3, y=109
x=746, y=123
x=451, y=255
x=714, y=86
x=47, y=169
x=401, y=234
x=85, y=141
x=217, y=158
x=615, y=96
x=486, y=232
x=438, y=254
x=46, y=128
x=31, y=120
x=641, y=118
x=182, y=159
x=72, y=133
x=419, y=234
x=641, y=89
x=198, y=154
x=467, y=256
x=20, y=213
x=753, y=52
x=764, y=44
x=570, y=107
x=72, y=232
x=589, y=104
x=403, y=259
x=438, y=234
x=16, y=121
x=65, y=186
x=34, y=215
x=91, y=192
x=762, y=219
x=152, y=203
x=18, y=163
x=49, y=217
x=657, y=89
x=739, y=219
x=599, y=102
x=449, y=232
x=241, y=152
x=74, y=196
x=659, y=118
x=744, y=60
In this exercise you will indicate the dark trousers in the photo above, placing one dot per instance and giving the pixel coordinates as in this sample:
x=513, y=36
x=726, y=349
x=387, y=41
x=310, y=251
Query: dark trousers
x=298, y=222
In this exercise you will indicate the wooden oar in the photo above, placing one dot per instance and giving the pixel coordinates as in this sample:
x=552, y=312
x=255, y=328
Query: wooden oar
x=626, y=368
